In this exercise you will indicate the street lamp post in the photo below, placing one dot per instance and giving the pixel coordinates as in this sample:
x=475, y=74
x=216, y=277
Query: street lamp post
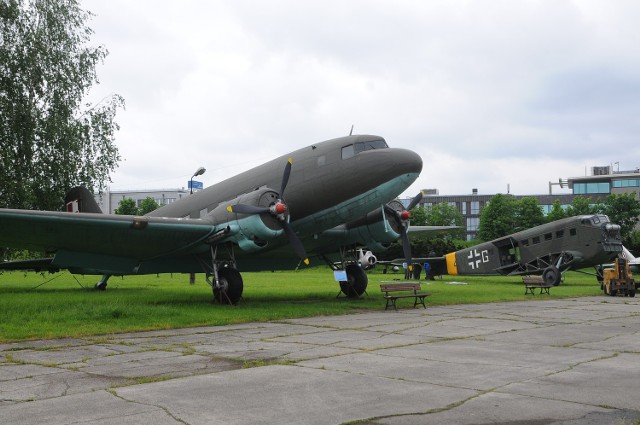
x=200, y=171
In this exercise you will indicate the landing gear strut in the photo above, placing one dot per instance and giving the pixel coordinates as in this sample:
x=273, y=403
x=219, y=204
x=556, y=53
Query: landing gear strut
x=223, y=277
x=102, y=284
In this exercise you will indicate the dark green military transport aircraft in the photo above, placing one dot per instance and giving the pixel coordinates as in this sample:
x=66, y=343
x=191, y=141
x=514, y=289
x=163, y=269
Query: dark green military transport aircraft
x=548, y=250
x=320, y=201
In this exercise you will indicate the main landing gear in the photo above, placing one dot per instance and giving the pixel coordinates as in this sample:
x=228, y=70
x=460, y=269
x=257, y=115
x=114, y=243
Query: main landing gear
x=102, y=284
x=357, y=280
x=223, y=277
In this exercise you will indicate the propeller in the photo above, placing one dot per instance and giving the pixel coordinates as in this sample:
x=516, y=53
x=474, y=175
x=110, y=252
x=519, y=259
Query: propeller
x=278, y=210
x=402, y=219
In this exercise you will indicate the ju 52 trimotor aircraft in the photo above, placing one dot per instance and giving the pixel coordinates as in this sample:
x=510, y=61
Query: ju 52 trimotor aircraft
x=548, y=250
x=320, y=201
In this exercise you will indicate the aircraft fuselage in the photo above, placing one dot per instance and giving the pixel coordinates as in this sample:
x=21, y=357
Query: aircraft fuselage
x=570, y=243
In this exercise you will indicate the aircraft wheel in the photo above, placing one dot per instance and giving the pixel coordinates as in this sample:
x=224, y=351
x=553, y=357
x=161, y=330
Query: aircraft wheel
x=231, y=282
x=551, y=276
x=357, y=281
x=102, y=284
x=632, y=293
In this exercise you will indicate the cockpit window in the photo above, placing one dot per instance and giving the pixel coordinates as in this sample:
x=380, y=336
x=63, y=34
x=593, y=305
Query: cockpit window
x=348, y=152
x=356, y=148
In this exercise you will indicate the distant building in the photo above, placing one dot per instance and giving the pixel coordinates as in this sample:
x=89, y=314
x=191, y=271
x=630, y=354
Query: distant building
x=604, y=181
x=110, y=199
x=470, y=206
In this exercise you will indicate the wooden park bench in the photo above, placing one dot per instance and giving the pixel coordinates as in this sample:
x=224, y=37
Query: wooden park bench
x=531, y=283
x=391, y=289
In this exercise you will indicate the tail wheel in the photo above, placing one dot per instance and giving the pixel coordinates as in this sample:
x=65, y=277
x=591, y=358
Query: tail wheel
x=551, y=276
x=231, y=286
x=357, y=281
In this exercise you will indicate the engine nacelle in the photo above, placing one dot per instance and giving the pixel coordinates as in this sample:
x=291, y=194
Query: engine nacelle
x=375, y=231
x=252, y=232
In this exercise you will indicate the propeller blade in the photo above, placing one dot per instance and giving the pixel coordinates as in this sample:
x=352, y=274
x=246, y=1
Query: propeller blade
x=295, y=242
x=247, y=209
x=414, y=201
x=285, y=177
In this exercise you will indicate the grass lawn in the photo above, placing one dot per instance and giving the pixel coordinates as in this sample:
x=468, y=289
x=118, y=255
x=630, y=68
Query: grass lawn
x=34, y=306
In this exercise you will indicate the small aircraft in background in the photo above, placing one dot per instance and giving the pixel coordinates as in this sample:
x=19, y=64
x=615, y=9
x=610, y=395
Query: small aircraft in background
x=321, y=201
x=548, y=250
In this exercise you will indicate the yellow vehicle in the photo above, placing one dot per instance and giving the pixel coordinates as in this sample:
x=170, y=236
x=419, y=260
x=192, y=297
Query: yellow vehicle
x=619, y=279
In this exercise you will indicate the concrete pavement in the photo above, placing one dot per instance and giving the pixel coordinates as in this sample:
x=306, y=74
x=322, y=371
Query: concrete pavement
x=537, y=362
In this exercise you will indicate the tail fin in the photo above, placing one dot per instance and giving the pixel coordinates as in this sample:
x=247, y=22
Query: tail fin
x=79, y=199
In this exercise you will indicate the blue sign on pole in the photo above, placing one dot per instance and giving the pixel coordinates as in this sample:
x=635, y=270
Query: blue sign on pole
x=196, y=185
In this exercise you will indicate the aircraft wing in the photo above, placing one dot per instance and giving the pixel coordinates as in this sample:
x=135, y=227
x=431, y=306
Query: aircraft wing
x=431, y=230
x=105, y=235
x=36, y=265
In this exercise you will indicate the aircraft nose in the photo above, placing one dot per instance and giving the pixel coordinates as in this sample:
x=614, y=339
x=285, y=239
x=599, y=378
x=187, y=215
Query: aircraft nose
x=406, y=161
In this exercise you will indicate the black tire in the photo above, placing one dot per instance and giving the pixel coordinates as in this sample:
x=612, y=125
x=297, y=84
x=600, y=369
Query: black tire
x=231, y=280
x=632, y=293
x=357, y=281
x=551, y=276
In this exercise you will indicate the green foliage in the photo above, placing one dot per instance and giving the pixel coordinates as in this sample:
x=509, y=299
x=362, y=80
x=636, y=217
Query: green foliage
x=623, y=209
x=147, y=205
x=556, y=212
x=127, y=207
x=498, y=218
x=418, y=216
x=633, y=243
x=49, y=140
x=528, y=213
x=422, y=246
x=584, y=206
x=443, y=214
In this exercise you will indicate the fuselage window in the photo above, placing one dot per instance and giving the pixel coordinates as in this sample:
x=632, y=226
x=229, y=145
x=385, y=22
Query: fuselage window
x=560, y=234
x=547, y=236
x=536, y=240
x=572, y=232
x=322, y=160
x=524, y=242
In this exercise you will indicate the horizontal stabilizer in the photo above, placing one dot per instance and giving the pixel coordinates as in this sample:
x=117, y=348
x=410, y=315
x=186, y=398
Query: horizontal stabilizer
x=79, y=199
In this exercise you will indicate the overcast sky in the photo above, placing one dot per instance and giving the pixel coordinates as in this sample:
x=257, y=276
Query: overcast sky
x=489, y=93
